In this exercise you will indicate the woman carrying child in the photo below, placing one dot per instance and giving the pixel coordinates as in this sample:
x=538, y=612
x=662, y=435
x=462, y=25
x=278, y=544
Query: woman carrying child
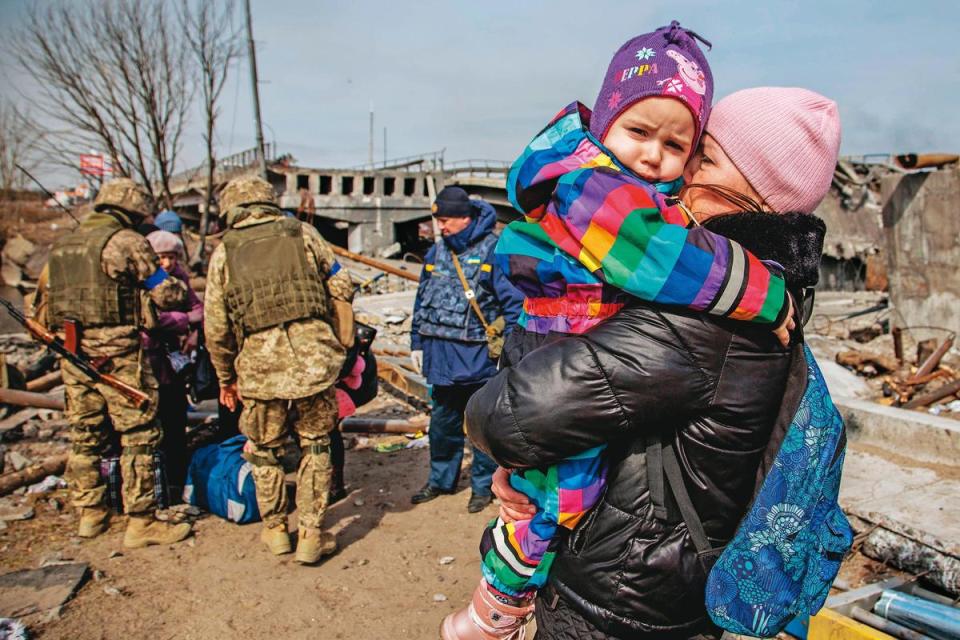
x=765, y=164
x=634, y=133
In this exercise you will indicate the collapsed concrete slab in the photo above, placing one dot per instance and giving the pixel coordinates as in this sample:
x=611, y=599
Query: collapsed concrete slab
x=916, y=435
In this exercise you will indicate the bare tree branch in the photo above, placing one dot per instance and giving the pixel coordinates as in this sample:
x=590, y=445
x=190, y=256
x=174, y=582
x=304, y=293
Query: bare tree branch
x=20, y=144
x=214, y=39
x=114, y=75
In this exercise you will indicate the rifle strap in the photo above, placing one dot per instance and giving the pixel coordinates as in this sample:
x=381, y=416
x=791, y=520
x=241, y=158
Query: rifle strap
x=469, y=293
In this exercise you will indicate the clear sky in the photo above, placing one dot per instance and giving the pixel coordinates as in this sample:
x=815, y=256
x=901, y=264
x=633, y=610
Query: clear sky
x=480, y=78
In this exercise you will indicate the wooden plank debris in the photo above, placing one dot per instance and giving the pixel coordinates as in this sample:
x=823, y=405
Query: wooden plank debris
x=391, y=371
x=30, y=399
x=364, y=424
x=933, y=361
x=867, y=363
x=939, y=393
x=17, y=419
x=53, y=466
x=45, y=382
x=376, y=264
x=911, y=549
x=395, y=352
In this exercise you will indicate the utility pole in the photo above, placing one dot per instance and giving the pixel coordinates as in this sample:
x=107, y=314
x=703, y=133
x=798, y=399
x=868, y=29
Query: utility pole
x=384, y=146
x=370, y=149
x=252, y=54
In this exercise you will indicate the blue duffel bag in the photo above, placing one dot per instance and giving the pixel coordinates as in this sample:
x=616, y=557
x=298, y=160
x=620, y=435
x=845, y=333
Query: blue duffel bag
x=221, y=481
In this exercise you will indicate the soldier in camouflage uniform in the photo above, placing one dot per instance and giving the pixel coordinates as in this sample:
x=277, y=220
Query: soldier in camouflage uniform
x=277, y=322
x=103, y=276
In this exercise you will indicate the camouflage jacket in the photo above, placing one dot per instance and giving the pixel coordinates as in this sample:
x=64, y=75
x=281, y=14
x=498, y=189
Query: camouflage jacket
x=295, y=360
x=126, y=255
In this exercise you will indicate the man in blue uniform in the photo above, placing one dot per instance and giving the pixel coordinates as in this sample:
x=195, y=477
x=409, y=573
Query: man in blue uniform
x=448, y=340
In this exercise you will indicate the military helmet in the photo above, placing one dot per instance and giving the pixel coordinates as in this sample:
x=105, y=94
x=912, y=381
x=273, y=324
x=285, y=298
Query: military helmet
x=123, y=194
x=246, y=191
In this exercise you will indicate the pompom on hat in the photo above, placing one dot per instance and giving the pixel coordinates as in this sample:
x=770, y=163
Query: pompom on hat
x=785, y=141
x=667, y=63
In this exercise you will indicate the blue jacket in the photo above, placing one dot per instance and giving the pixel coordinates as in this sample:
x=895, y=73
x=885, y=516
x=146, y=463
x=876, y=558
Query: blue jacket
x=445, y=326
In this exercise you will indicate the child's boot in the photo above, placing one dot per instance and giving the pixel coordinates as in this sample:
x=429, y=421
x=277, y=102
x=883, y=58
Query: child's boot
x=486, y=618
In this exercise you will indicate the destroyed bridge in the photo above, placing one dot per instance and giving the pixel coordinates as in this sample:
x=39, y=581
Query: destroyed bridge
x=375, y=209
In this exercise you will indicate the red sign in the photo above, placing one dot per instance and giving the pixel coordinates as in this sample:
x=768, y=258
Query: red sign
x=93, y=165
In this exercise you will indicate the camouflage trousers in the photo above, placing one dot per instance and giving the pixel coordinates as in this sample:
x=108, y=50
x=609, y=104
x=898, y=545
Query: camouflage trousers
x=94, y=410
x=263, y=422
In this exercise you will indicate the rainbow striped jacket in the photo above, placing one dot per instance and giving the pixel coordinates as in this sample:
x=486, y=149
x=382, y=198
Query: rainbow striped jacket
x=594, y=232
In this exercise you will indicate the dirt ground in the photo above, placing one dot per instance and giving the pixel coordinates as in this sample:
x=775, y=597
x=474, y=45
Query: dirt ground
x=386, y=581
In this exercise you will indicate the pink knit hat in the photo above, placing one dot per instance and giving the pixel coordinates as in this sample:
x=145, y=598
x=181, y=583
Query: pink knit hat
x=784, y=141
x=165, y=242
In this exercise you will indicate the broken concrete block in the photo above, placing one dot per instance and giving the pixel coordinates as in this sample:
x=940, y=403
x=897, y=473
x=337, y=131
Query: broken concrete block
x=11, y=513
x=33, y=590
x=11, y=274
x=18, y=461
x=18, y=250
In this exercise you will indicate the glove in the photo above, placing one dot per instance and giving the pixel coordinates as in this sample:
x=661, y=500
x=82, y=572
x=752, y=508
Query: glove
x=416, y=359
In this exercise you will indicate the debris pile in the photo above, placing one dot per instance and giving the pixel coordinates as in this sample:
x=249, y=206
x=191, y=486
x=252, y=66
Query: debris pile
x=855, y=330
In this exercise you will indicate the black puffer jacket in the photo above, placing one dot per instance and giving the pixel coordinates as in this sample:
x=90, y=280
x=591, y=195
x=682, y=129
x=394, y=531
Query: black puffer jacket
x=715, y=385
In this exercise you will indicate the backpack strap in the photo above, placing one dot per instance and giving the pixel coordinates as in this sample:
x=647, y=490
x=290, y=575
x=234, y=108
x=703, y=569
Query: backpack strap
x=674, y=478
x=655, y=477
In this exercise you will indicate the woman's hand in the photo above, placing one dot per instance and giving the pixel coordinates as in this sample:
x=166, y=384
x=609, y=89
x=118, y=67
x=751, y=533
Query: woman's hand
x=513, y=504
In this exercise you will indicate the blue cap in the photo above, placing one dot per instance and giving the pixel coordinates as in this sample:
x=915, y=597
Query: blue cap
x=168, y=221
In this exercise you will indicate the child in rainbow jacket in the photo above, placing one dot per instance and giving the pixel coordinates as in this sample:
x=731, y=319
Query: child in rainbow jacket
x=600, y=227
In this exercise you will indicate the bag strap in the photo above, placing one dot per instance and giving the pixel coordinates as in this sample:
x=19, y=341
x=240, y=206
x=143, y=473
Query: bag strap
x=469, y=293
x=674, y=478
x=655, y=478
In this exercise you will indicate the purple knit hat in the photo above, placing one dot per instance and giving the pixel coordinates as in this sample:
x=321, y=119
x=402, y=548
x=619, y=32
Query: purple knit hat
x=668, y=63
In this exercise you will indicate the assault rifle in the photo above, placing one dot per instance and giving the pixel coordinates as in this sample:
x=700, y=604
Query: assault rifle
x=40, y=333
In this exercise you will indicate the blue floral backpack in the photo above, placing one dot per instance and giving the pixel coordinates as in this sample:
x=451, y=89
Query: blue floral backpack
x=788, y=547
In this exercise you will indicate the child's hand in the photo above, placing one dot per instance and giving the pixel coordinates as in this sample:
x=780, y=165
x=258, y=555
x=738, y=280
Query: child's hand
x=783, y=331
x=513, y=504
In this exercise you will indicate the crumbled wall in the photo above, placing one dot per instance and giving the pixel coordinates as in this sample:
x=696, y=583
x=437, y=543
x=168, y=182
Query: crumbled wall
x=921, y=223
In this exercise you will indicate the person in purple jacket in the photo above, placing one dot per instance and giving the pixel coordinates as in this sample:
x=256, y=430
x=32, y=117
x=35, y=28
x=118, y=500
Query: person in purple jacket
x=165, y=346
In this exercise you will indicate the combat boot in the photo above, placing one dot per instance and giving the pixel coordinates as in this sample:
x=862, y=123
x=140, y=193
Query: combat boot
x=486, y=618
x=276, y=538
x=143, y=531
x=93, y=521
x=314, y=544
